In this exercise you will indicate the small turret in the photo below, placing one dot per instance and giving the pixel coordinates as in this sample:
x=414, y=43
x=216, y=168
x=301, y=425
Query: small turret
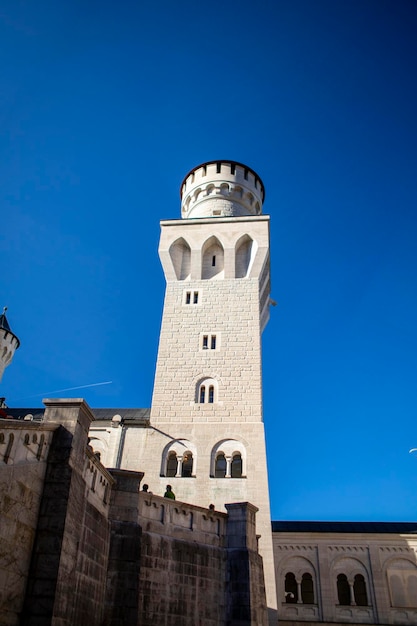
x=9, y=343
x=221, y=189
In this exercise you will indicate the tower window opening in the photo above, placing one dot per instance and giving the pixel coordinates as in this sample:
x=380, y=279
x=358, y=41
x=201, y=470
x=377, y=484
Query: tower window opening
x=218, y=168
x=220, y=466
x=236, y=466
x=232, y=168
x=202, y=394
x=256, y=183
x=245, y=175
x=208, y=341
x=206, y=392
x=204, y=170
x=172, y=464
x=190, y=297
x=213, y=260
x=187, y=465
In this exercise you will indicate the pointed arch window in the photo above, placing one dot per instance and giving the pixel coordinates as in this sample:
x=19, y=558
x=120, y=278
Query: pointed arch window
x=212, y=259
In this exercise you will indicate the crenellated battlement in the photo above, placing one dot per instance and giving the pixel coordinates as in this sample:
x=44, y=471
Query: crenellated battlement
x=221, y=189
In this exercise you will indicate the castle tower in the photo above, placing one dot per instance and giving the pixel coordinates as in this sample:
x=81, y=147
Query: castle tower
x=207, y=434
x=9, y=343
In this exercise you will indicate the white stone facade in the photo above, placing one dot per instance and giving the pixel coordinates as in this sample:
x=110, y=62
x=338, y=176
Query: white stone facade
x=206, y=434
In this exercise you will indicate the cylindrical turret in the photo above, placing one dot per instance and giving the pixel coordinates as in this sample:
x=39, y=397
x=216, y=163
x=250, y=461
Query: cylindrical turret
x=221, y=189
x=9, y=343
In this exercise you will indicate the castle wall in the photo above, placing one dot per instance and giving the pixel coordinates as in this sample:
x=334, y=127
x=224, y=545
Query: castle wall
x=24, y=451
x=386, y=563
x=81, y=545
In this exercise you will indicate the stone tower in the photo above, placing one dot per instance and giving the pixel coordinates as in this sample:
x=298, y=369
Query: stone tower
x=9, y=343
x=207, y=433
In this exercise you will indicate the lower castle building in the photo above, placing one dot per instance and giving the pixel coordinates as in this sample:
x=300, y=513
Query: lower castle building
x=83, y=544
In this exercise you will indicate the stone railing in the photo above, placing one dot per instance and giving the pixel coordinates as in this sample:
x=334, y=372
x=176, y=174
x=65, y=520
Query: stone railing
x=181, y=519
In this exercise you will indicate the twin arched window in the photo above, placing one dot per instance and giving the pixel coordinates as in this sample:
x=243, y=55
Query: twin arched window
x=228, y=459
x=179, y=465
x=299, y=591
x=351, y=592
x=228, y=467
x=207, y=391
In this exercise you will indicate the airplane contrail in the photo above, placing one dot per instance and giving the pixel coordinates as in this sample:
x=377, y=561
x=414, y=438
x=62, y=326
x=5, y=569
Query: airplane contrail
x=107, y=382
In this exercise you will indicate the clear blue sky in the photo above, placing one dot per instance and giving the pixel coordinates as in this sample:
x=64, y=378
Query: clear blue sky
x=105, y=106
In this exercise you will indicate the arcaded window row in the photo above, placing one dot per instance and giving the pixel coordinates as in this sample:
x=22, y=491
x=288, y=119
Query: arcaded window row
x=227, y=460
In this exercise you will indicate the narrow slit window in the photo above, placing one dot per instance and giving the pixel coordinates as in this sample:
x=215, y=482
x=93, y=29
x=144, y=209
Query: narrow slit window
x=202, y=394
x=211, y=394
x=188, y=297
x=195, y=297
x=246, y=175
x=232, y=168
x=218, y=168
x=213, y=261
x=205, y=342
x=213, y=342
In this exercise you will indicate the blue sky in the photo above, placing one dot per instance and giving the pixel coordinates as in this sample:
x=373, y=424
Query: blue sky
x=103, y=110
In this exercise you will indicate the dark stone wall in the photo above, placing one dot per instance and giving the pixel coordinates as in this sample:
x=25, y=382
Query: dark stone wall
x=92, y=561
x=123, y=574
x=182, y=583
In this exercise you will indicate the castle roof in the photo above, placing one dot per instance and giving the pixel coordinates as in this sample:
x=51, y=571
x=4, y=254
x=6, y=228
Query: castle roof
x=405, y=528
x=4, y=325
x=138, y=417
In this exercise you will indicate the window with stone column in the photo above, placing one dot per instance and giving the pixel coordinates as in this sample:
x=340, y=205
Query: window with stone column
x=179, y=460
x=228, y=459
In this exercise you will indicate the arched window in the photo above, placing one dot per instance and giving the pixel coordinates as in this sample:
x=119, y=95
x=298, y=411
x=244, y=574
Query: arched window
x=291, y=591
x=359, y=590
x=220, y=466
x=244, y=256
x=212, y=259
x=172, y=464
x=343, y=590
x=236, y=466
x=180, y=253
x=206, y=392
x=307, y=589
x=202, y=394
x=187, y=465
